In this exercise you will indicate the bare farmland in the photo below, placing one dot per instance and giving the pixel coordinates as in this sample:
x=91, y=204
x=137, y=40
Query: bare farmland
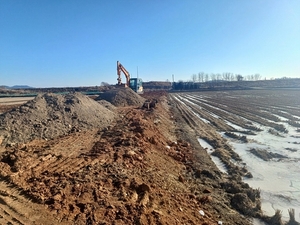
x=256, y=131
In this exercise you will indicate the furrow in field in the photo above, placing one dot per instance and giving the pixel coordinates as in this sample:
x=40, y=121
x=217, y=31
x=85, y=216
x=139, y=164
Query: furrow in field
x=187, y=116
x=261, y=107
x=265, y=100
x=264, y=110
x=246, y=106
x=208, y=133
x=249, y=115
x=232, y=118
x=219, y=124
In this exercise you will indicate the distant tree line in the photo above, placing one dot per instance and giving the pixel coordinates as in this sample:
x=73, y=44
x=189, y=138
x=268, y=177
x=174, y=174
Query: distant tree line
x=206, y=77
x=213, y=80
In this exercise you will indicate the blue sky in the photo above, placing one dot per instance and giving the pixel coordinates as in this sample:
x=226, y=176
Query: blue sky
x=54, y=43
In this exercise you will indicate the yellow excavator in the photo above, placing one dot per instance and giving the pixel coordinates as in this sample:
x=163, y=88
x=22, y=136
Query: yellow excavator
x=136, y=84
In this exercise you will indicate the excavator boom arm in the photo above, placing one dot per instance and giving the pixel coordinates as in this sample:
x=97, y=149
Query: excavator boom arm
x=121, y=68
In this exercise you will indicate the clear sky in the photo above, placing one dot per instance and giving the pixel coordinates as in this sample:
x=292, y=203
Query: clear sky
x=58, y=43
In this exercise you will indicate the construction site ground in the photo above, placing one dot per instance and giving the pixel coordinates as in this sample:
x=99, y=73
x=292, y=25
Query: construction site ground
x=145, y=167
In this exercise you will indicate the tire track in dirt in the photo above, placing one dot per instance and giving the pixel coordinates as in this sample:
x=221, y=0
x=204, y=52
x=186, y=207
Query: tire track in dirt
x=17, y=209
x=48, y=160
x=58, y=165
x=73, y=164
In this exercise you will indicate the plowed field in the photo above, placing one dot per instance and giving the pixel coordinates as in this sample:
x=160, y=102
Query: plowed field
x=255, y=130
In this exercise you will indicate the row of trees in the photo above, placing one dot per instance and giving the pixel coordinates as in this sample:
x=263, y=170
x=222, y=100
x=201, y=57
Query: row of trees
x=205, y=77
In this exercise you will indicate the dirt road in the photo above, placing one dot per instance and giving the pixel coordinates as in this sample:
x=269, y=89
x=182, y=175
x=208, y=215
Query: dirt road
x=7, y=104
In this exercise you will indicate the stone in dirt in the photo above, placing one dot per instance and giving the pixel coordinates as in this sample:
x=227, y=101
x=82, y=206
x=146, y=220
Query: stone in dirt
x=51, y=115
x=122, y=97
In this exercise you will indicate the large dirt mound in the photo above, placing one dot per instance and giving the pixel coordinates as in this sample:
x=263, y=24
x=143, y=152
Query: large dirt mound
x=50, y=115
x=107, y=105
x=122, y=97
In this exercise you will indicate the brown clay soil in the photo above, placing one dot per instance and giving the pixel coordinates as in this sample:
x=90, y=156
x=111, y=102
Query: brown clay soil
x=134, y=166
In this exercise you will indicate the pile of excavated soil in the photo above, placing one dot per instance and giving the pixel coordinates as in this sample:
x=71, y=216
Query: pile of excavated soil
x=122, y=97
x=107, y=105
x=50, y=115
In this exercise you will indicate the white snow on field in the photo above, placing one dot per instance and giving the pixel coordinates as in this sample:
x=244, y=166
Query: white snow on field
x=215, y=159
x=214, y=115
x=237, y=127
x=204, y=120
x=258, y=222
x=278, y=179
x=282, y=118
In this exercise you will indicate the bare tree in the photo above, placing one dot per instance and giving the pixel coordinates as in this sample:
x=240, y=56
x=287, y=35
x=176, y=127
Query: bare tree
x=194, y=78
x=239, y=77
x=206, y=77
x=257, y=76
x=201, y=77
x=232, y=77
x=213, y=77
x=226, y=76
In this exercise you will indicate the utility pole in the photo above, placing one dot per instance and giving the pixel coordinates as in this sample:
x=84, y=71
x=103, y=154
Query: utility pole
x=137, y=72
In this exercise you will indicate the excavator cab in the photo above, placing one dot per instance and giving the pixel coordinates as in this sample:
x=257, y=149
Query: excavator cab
x=136, y=84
